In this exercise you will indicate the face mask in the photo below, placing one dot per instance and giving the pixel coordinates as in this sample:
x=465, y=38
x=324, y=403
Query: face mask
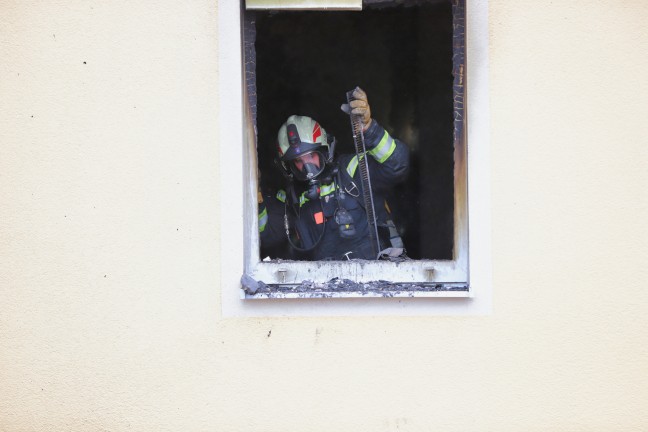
x=308, y=168
x=311, y=171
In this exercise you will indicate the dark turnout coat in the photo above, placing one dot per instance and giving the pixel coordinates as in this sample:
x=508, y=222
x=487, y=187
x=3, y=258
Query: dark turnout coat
x=315, y=220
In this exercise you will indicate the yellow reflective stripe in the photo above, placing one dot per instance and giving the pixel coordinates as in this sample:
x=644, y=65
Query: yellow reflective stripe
x=384, y=149
x=263, y=219
x=281, y=195
x=302, y=199
x=353, y=165
x=327, y=189
x=324, y=190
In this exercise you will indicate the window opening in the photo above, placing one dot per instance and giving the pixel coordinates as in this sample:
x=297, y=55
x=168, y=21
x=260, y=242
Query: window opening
x=409, y=57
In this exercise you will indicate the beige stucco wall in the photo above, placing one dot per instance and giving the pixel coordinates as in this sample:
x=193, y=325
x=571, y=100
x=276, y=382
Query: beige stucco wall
x=109, y=241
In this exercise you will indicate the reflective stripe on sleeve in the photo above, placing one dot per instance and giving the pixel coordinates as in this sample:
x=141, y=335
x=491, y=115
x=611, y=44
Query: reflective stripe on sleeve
x=384, y=149
x=263, y=219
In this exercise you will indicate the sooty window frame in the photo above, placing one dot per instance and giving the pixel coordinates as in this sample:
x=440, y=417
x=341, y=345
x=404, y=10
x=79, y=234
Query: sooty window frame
x=357, y=278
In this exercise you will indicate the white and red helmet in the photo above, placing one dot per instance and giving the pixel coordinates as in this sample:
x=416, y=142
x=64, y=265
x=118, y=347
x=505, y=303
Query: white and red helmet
x=300, y=136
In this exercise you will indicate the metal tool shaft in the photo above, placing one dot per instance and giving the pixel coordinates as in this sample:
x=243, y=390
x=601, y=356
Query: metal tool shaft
x=365, y=178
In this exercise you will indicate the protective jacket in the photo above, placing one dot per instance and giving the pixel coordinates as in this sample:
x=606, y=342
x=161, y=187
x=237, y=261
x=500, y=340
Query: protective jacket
x=314, y=219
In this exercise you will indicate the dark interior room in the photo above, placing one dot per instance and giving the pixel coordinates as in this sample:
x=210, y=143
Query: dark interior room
x=401, y=54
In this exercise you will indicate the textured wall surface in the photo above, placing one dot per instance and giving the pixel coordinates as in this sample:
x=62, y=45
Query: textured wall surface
x=109, y=277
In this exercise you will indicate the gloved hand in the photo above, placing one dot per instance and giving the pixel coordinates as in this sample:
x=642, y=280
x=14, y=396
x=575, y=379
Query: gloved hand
x=359, y=106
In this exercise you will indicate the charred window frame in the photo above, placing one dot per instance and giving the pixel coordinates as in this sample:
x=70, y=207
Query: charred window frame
x=423, y=277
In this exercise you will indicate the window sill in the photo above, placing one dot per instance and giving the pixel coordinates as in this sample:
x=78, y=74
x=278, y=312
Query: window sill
x=346, y=288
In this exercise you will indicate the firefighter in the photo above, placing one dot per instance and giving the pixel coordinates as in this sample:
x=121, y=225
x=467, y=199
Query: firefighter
x=321, y=211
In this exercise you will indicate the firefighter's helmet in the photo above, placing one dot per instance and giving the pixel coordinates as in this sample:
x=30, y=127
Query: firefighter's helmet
x=302, y=136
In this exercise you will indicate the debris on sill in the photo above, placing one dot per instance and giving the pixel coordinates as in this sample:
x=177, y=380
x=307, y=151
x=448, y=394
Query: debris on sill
x=250, y=285
x=336, y=285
